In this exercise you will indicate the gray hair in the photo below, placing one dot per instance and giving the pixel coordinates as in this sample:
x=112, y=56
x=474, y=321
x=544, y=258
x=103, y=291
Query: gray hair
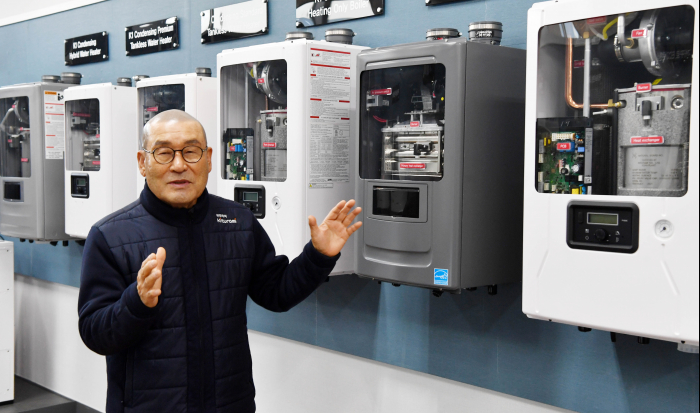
x=173, y=115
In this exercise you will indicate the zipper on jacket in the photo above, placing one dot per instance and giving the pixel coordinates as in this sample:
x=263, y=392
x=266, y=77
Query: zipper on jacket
x=199, y=313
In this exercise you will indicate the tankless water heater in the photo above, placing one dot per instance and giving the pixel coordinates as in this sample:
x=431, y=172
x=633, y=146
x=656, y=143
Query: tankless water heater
x=285, y=111
x=611, y=167
x=32, y=127
x=439, y=139
x=101, y=125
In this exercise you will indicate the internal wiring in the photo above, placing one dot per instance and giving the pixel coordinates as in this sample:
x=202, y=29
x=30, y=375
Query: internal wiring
x=607, y=26
x=632, y=15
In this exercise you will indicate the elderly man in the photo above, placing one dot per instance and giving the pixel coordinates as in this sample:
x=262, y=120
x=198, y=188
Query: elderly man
x=174, y=329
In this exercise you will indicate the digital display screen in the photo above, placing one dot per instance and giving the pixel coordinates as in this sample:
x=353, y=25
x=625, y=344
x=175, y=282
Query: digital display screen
x=80, y=181
x=603, y=219
x=250, y=196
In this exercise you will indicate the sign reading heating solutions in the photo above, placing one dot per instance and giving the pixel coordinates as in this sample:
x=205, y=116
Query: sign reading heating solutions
x=152, y=37
x=236, y=21
x=318, y=12
x=90, y=48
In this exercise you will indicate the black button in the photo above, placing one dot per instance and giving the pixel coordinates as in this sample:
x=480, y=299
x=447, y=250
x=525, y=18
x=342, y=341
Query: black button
x=600, y=234
x=580, y=217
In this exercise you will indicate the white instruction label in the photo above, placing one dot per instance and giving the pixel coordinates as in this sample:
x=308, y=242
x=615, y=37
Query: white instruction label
x=329, y=109
x=654, y=167
x=54, y=125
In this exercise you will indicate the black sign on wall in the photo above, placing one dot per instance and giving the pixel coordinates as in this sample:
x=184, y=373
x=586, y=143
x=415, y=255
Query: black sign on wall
x=90, y=48
x=152, y=37
x=436, y=2
x=318, y=12
x=245, y=19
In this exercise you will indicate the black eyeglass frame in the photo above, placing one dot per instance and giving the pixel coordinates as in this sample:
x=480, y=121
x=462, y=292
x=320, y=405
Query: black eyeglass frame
x=175, y=151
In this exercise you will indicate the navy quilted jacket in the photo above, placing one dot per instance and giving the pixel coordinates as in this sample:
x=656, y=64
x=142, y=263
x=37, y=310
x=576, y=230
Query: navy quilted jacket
x=190, y=352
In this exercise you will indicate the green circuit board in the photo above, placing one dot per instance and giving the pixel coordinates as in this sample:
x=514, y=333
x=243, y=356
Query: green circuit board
x=236, y=166
x=560, y=163
x=238, y=145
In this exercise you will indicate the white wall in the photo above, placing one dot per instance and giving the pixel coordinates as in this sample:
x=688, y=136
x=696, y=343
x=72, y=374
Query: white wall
x=290, y=377
x=48, y=347
x=7, y=311
x=293, y=377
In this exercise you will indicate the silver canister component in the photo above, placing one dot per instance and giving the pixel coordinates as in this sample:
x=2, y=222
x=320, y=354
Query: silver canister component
x=124, y=81
x=299, y=36
x=50, y=79
x=138, y=78
x=203, y=71
x=442, y=33
x=343, y=36
x=486, y=32
x=71, y=78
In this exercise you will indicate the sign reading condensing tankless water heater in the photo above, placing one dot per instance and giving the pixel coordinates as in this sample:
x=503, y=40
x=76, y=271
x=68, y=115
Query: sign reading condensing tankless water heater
x=318, y=12
x=235, y=21
x=90, y=48
x=152, y=37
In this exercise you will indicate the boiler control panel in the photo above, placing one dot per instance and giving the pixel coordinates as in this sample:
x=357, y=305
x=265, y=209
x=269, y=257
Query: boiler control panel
x=80, y=185
x=603, y=226
x=251, y=197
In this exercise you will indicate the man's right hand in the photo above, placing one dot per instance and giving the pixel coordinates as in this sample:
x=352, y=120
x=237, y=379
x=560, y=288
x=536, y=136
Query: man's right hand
x=150, y=278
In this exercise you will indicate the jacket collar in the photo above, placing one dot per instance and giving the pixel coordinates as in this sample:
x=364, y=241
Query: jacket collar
x=178, y=217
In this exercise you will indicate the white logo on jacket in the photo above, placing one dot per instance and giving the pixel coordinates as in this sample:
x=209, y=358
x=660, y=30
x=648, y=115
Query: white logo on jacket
x=223, y=219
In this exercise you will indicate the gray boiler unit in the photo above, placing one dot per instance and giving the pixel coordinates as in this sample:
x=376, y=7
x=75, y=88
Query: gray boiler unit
x=440, y=146
x=32, y=130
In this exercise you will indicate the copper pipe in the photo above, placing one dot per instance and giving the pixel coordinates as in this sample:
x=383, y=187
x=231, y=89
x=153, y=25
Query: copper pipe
x=569, y=75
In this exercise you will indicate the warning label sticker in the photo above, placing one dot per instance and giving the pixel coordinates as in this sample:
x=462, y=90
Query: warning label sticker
x=412, y=165
x=647, y=140
x=597, y=20
x=639, y=33
x=329, y=123
x=54, y=125
x=644, y=87
x=329, y=152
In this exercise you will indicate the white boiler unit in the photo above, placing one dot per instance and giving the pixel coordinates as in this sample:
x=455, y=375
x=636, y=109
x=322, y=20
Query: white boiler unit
x=284, y=133
x=611, y=167
x=101, y=124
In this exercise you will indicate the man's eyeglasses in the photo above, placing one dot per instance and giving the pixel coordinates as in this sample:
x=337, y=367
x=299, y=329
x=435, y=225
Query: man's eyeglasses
x=163, y=155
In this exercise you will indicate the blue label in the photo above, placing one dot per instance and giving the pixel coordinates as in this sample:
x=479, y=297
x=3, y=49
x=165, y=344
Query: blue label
x=441, y=277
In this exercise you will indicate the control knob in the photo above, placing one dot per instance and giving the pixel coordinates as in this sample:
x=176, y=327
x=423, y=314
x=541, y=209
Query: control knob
x=600, y=234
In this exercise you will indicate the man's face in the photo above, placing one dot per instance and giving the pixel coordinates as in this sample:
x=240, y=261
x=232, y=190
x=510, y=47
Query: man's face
x=177, y=183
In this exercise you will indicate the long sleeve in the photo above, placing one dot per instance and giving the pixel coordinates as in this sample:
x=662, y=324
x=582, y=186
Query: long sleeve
x=278, y=285
x=112, y=317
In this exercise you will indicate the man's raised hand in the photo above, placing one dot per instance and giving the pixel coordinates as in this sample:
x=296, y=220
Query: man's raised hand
x=150, y=278
x=330, y=237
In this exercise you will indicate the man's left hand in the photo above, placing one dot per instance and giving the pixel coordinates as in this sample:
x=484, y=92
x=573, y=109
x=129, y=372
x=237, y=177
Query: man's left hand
x=330, y=237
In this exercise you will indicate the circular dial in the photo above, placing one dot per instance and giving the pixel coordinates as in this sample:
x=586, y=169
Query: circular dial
x=664, y=229
x=600, y=234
